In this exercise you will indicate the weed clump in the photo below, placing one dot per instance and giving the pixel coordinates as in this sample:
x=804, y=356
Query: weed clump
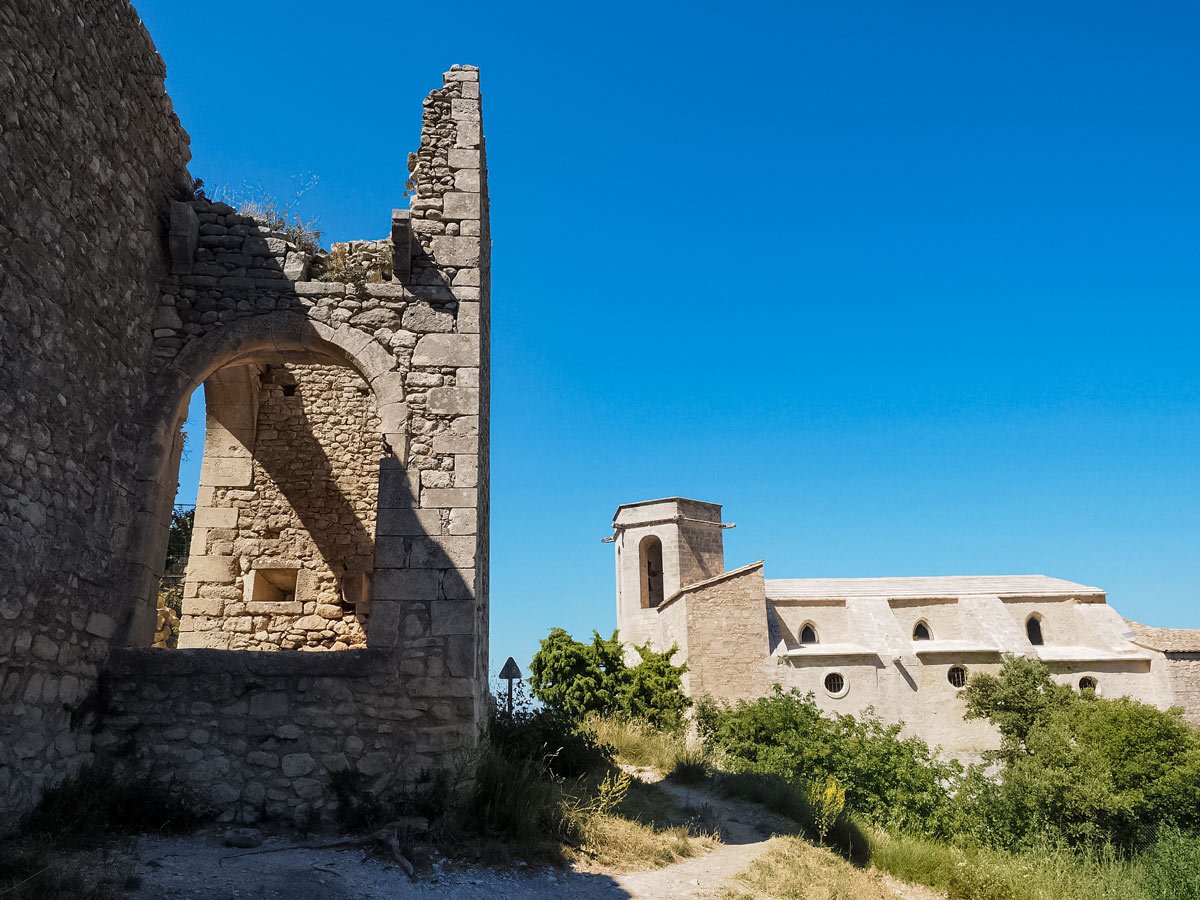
x=103, y=801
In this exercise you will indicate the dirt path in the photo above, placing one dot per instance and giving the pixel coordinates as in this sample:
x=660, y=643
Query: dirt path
x=201, y=867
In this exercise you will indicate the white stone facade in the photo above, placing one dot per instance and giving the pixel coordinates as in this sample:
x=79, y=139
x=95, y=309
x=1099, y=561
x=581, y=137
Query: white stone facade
x=900, y=646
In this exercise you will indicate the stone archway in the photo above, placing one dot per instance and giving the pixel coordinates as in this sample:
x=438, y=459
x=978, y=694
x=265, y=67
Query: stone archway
x=275, y=338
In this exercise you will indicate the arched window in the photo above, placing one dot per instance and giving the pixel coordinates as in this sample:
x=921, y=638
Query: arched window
x=1088, y=683
x=921, y=632
x=808, y=634
x=650, y=559
x=1033, y=629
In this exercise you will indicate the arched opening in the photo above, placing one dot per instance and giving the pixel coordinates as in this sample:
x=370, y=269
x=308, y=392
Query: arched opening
x=284, y=522
x=808, y=634
x=286, y=480
x=1033, y=630
x=650, y=560
x=921, y=631
x=1088, y=684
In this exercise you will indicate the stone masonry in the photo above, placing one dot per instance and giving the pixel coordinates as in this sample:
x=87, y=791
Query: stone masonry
x=120, y=295
x=300, y=526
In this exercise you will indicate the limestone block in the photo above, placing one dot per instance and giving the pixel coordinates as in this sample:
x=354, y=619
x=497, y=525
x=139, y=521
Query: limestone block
x=453, y=401
x=460, y=205
x=212, y=568
x=451, y=250
x=227, y=471
x=456, y=443
x=463, y=521
x=466, y=470
x=447, y=497
x=100, y=625
x=442, y=552
x=404, y=584
x=463, y=159
x=447, y=350
x=408, y=521
x=452, y=617
x=467, y=180
x=465, y=110
x=459, y=584
x=216, y=517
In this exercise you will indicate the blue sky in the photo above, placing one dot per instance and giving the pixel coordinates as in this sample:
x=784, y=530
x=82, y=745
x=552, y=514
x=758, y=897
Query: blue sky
x=910, y=288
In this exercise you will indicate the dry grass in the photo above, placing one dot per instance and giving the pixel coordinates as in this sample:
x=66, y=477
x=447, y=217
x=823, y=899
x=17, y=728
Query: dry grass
x=793, y=869
x=614, y=842
x=638, y=744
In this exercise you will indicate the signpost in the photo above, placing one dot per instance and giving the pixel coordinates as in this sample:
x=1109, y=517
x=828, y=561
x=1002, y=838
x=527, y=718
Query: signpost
x=509, y=672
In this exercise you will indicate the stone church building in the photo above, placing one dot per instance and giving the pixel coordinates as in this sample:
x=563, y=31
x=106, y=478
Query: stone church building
x=902, y=646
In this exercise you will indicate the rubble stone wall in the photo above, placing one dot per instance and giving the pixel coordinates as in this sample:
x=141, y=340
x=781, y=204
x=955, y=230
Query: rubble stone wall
x=308, y=514
x=120, y=295
x=91, y=156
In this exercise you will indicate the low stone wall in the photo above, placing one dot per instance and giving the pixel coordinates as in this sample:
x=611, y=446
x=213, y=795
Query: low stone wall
x=258, y=735
x=1184, y=672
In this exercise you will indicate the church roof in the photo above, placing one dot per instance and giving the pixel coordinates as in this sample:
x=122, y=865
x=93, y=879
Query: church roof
x=933, y=586
x=1165, y=640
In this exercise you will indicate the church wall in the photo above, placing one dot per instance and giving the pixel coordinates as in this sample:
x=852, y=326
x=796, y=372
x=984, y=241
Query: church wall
x=727, y=637
x=1184, y=672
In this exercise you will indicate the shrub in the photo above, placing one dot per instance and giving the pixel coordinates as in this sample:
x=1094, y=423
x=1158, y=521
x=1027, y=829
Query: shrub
x=889, y=780
x=565, y=748
x=581, y=679
x=691, y=767
x=102, y=801
x=1083, y=771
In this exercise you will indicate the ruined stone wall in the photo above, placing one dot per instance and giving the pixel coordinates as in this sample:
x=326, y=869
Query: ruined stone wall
x=91, y=154
x=418, y=693
x=307, y=514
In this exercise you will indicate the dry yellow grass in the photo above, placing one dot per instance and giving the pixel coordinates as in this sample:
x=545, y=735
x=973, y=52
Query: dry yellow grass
x=793, y=869
x=623, y=844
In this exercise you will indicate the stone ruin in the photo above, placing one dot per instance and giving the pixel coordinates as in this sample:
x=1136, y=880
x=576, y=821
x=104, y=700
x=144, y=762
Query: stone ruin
x=344, y=484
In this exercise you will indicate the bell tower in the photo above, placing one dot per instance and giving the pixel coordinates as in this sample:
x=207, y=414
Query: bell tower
x=662, y=546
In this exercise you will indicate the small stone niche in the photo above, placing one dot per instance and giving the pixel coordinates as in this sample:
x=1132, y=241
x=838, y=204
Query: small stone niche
x=274, y=586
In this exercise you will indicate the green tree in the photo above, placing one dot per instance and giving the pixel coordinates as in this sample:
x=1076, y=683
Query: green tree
x=1014, y=701
x=653, y=689
x=578, y=679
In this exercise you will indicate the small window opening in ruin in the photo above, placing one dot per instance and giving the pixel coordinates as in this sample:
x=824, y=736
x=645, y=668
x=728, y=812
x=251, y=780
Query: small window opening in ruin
x=289, y=390
x=650, y=557
x=957, y=676
x=1033, y=630
x=274, y=586
x=835, y=684
x=1088, y=683
x=921, y=632
x=808, y=634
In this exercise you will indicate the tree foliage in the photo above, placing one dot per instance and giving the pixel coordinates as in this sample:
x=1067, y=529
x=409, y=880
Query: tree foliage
x=888, y=779
x=576, y=679
x=1079, y=769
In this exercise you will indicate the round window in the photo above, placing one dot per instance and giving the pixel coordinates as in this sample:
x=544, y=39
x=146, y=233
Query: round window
x=835, y=684
x=957, y=676
x=1088, y=683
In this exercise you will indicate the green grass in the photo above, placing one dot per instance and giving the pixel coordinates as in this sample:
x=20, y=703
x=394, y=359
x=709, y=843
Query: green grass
x=981, y=874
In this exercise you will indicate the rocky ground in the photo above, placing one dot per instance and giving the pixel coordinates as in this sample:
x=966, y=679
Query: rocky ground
x=203, y=867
